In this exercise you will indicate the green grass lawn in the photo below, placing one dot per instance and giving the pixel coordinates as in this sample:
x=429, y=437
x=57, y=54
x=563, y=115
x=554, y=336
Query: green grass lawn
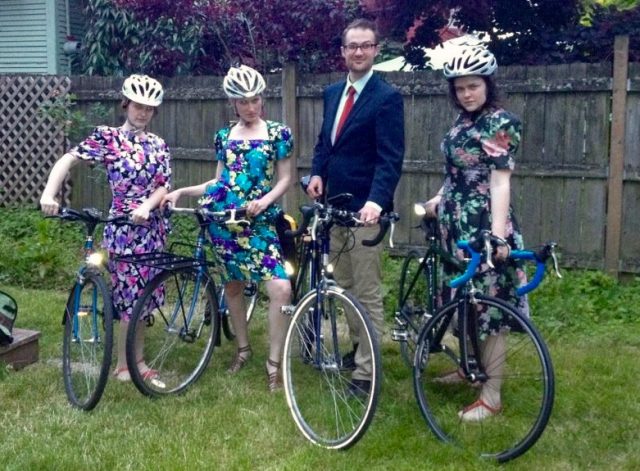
x=232, y=422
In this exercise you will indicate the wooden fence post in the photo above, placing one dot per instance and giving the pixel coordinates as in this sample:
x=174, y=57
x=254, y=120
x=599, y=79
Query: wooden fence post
x=616, y=155
x=290, y=118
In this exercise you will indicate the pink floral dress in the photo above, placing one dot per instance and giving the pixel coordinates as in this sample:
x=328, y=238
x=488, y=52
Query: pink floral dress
x=477, y=144
x=136, y=167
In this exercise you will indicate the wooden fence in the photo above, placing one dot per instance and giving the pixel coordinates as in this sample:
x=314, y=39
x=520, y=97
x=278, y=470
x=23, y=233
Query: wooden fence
x=577, y=178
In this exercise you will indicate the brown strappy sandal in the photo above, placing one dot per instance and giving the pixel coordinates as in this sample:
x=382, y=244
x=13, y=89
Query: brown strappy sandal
x=240, y=360
x=273, y=379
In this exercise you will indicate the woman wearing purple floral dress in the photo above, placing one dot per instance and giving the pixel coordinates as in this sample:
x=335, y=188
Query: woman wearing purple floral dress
x=479, y=151
x=251, y=154
x=139, y=174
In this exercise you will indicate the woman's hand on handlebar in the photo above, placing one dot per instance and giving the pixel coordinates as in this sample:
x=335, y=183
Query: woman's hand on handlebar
x=431, y=207
x=170, y=199
x=49, y=206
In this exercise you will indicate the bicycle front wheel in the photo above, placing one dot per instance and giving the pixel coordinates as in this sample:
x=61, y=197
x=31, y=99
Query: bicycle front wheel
x=88, y=341
x=172, y=332
x=522, y=371
x=330, y=404
x=413, y=299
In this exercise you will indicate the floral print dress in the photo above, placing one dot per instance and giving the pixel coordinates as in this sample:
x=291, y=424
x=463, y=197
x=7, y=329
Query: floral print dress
x=136, y=167
x=475, y=145
x=250, y=252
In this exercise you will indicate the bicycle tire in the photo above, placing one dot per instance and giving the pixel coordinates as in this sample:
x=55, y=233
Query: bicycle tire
x=413, y=296
x=316, y=385
x=88, y=341
x=527, y=390
x=178, y=334
x=250, y=303
x=304, y=276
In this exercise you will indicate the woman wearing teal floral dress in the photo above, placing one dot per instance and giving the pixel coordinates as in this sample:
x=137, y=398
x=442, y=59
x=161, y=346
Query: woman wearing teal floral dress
x=479, y=152
x=250, y=154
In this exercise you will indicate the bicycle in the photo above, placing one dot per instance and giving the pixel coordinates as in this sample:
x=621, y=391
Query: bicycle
x=178, y=316
x=88, y=319
x=326, y=405
x=452, y=344
x=419, y=285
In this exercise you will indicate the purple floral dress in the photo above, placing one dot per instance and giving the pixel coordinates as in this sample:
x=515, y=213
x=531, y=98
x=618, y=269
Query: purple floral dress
x=136, y=167
x=248, y=252
x=477, y=144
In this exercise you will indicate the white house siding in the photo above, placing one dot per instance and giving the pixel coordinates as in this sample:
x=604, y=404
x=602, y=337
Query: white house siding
x=33, y=32
x=23, y=37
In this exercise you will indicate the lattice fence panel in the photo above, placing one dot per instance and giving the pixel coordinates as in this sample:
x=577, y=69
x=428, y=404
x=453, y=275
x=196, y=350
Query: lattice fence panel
x=30, y=142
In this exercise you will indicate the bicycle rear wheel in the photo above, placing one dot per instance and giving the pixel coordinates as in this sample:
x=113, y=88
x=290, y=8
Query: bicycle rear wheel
x=304, y=276
x=325, y=405
x=87, y=342
x=250, y=300
x=525, y=371
x=413, y=297
x=177, y=334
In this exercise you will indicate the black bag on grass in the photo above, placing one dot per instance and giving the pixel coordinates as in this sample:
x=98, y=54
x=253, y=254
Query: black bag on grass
x=8, y=313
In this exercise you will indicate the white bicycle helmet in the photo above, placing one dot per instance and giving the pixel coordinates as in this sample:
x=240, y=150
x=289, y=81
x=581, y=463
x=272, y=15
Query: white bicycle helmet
x=143, y=89
x=243, y=82
x=475, y=60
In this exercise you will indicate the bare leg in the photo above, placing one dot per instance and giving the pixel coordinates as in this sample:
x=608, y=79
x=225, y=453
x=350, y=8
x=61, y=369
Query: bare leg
x=121, y=372
x=279, y=292
x=493, y=359
x=490, y=402
x=237, y=311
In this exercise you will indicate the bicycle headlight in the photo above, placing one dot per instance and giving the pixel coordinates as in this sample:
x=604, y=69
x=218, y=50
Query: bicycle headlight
x=419, y=210
x=330, y=268
x=288, y=268
x=96, y=259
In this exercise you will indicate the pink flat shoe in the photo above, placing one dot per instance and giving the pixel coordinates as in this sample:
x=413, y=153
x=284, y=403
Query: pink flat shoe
x=478, y=411
x=122, y=374
x=149, y=373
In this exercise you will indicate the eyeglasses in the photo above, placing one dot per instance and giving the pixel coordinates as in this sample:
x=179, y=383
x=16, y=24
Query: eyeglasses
x=365, y=47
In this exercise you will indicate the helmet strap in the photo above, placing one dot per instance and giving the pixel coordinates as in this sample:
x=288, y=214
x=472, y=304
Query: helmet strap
x=132, y=128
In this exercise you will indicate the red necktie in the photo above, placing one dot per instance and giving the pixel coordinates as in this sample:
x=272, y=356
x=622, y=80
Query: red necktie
x=346, y=110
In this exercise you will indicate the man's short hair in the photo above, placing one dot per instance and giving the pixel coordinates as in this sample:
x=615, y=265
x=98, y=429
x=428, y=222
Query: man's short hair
x=361, y=23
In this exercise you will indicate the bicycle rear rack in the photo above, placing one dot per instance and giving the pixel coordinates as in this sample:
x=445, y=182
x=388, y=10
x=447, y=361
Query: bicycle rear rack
x=164, y=260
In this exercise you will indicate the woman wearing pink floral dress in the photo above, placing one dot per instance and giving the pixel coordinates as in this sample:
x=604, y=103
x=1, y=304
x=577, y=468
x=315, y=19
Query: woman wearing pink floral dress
x=479, y=154
x=139, y=174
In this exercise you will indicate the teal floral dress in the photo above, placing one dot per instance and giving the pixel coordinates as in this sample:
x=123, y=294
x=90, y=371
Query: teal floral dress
x=477, y=144
x=250, y=252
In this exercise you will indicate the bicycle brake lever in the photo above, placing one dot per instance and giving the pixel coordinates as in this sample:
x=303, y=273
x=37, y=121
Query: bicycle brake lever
x=555, y=262
x=314, y=226
x=487, y=248
x=391, y=231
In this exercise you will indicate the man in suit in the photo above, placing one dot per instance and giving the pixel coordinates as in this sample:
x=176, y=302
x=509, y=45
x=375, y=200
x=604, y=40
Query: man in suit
x=360, y=151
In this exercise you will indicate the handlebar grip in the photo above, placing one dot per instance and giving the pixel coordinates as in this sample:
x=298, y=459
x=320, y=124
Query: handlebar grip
x=384, y=227
x=473, y=265
x=307, y=214
x=537, y=277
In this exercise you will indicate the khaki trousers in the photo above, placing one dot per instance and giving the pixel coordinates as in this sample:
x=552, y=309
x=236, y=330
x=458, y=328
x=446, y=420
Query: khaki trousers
x=359, y=270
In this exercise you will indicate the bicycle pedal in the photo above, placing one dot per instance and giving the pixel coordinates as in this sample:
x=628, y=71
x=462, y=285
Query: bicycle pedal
x=288, y=309
x=399, y=335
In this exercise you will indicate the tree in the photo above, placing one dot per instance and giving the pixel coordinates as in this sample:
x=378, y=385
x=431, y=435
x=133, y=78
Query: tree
x=165, y=37
x=519, y=31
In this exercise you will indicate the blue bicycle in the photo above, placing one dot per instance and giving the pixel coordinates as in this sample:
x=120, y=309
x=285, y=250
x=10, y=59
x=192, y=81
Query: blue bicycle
x=175, y=324
x=88, y=319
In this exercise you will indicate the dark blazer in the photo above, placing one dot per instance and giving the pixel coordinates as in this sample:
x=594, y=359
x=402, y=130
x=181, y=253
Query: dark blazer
x=366, y=159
